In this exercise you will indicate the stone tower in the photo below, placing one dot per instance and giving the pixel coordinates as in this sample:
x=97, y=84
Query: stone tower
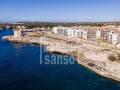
x=18, y=31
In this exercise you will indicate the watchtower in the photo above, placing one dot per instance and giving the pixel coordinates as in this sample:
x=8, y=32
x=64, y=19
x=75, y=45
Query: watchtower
x=18, y=31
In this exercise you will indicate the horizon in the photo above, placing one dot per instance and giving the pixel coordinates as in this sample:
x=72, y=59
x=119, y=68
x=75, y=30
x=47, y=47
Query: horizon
x=60, y=21
x=60, y=10
x=15, y=21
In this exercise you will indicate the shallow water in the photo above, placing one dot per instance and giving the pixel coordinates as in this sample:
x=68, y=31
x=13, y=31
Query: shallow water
x=20, y=69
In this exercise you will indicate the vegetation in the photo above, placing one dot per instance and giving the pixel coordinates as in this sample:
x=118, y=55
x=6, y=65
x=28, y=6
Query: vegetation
x=2, y=26
x=118, y=56
x=38, y=35
x=112, y=58
x=78, y=54
x=52, y=24
x=65, y=24
x=91, y=64
x=105, y=49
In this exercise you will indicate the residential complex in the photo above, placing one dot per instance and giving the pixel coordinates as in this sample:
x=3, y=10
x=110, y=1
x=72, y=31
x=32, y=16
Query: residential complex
x=109, y=34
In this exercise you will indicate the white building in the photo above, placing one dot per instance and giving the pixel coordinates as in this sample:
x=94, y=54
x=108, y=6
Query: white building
x=90, y=34
x=113, y=37
x=70, y=32
x=98, y=34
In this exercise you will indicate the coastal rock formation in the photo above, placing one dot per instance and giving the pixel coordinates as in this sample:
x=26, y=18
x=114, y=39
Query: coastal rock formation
x=104, y=61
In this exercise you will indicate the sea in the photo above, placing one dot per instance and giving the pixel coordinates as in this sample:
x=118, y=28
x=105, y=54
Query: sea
x=20, y=69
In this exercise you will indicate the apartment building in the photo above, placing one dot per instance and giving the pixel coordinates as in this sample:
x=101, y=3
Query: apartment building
x=114, y=37
x=111, y=36
x=70, y=32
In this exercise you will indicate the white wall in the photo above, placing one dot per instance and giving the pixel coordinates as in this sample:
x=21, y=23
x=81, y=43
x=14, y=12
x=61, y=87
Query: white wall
x=55, y=30
x=112, y=38
x=98, y=34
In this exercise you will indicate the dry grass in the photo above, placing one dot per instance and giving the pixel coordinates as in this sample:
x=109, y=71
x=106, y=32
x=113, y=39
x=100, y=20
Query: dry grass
x=78, y=54
x=38, y=35
x=105, y=49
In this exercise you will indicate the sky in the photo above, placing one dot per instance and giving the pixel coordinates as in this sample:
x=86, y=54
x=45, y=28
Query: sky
x=60, y=10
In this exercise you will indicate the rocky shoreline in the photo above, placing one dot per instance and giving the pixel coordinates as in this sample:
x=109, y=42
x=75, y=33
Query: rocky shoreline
x=93, y=57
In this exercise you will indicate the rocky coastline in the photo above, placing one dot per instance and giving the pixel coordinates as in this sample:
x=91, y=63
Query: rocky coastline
x=96, y=58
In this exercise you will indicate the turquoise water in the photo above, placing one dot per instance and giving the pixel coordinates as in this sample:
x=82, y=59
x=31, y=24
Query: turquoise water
x=20, y=69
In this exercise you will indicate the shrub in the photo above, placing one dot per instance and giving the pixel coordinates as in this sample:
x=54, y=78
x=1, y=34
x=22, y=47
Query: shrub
x=112, y=58
x=118, y=56
x=91, y=64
